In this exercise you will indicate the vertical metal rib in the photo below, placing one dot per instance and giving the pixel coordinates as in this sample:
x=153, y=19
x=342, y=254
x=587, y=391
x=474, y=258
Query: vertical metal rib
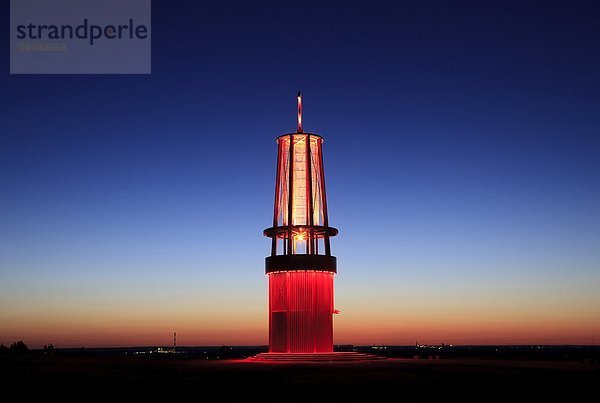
x=276, y=206
x=324, y=201
x=290, y=194
x=309, y=197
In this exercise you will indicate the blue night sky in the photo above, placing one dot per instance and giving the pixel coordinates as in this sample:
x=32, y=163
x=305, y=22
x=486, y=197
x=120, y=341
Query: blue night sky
x=462, y=147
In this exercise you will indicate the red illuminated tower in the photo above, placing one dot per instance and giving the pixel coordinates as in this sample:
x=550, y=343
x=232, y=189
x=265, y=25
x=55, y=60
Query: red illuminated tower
x=301, y=267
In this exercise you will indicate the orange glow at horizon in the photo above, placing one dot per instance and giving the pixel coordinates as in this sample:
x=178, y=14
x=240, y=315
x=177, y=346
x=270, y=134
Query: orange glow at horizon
x=368, y=318
x=253, y=330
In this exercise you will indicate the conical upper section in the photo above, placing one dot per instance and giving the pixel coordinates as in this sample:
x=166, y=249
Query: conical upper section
x=300, y=223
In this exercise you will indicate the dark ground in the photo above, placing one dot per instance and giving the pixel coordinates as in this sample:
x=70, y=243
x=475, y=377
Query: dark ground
x=86, y=375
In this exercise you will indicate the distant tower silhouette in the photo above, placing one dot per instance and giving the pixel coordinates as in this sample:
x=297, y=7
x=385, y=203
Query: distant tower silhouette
x=301, y=267
x=174, y=340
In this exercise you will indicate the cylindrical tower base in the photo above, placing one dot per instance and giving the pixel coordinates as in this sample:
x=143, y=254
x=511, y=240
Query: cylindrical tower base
x=301, y=312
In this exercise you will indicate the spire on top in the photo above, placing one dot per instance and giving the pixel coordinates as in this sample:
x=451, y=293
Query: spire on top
x=299, y=112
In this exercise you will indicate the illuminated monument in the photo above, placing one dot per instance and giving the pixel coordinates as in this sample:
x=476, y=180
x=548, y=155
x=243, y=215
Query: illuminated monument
x=301, y=267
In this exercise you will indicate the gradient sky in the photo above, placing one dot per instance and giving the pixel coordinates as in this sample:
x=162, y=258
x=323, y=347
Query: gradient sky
x=462, y=145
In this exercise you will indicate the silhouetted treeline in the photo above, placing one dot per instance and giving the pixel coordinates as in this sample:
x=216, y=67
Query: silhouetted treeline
x=18, y=347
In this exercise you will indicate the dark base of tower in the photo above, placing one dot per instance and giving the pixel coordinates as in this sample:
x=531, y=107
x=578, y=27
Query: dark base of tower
x=313, y=357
